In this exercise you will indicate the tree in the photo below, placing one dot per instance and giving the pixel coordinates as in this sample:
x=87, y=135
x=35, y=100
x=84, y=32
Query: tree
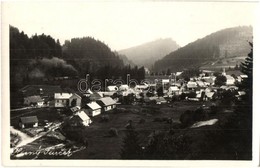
x=247, y=68
x=160, y=91
x=131, y=148
x=220, y=80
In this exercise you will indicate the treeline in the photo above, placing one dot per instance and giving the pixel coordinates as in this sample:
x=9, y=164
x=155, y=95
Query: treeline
x=87, y=55
x=39, y=58
x=228, y=41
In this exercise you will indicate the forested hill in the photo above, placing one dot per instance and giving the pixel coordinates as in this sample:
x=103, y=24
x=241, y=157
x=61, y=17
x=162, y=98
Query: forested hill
x=88, y=54
x=146, y=54
x=40, y=58
x=227, y=43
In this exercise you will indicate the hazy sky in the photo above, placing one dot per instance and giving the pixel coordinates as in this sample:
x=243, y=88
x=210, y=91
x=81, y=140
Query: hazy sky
x=125, y=24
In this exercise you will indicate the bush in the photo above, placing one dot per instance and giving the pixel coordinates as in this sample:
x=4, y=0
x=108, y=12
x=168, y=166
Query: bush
x=142, y=121
x=104, y=118
x=186, y=118
x=190, y=117
x=113, y=132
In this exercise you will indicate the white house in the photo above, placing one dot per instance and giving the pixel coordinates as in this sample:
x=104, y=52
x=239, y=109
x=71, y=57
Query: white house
x=173, y=90
x=92, y=109
x=67, y=99
x=112, y=88
x=107, y=103
x=230, y=80
x=80, y=119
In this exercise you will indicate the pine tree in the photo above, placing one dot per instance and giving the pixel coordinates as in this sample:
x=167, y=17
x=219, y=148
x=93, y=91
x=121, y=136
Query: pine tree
x=131, y=148
x=247, y=68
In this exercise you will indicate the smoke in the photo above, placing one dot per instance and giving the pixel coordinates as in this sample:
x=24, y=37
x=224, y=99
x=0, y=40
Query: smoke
x=53, y=67
x=56, y=62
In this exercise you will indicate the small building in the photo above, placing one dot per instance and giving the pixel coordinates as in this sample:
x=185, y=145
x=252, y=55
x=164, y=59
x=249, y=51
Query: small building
x=67, y=99
x=34, y=100
x=191, y=85
x=107, y=103
x=173, y=90
x=92, y=109
x=28, y=122
x=112, y=88
x=123, y=88
x=230, y=80
x=80, y=119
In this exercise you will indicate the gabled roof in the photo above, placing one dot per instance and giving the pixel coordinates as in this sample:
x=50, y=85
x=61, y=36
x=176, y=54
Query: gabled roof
x=112, y=88
x=62, y=95
x=34, y=99
x=106, y=101
x=96, y=96
x=29, y=119
x=191, y=84
x=174, y=88
x=82, y=115
x=93, y=106
x=210, y=94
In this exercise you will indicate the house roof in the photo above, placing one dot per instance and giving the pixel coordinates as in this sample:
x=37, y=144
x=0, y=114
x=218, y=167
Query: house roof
x=62, y=95
x=174, y=88
x=210, y=94
x=191, y=84
x=106, y=101
x=46, y=90
x=208, y=79
x=112, y=88
x=83, y=116
x=200, y=83
x=29, y=119
x=93, y=106
x=34, y=99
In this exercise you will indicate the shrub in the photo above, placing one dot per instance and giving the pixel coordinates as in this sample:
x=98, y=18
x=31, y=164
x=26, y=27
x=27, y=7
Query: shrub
x=186, y=118
x=142, y=121
x=113, y=132
x=104, y=118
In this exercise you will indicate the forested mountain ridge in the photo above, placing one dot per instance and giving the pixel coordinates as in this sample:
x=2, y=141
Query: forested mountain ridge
x=224, y=44
x=88, y=54
x=40, y=59
x=146, y=54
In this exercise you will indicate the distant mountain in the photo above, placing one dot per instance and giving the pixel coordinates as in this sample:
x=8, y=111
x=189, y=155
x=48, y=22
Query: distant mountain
x=146, y=54
x=125, y=60
x=225, y=48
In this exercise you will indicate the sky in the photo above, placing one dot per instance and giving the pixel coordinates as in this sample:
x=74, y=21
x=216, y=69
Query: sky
x=125, y=24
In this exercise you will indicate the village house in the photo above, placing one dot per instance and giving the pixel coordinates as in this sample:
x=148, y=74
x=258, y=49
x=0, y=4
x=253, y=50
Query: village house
x=92, y=109
x=28, y=122
x=173, y=90
x=34, y=100
x=112, y=88
x=107, y=103
x=141, y=88
x=230, y=80
x=191, y=85
x=80, y=119
x=67, y=99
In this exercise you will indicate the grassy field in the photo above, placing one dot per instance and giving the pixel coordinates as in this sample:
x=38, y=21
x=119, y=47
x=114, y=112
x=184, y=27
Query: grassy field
x=103, y=146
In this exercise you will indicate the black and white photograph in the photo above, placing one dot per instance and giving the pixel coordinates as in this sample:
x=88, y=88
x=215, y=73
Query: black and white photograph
x=131, y=80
